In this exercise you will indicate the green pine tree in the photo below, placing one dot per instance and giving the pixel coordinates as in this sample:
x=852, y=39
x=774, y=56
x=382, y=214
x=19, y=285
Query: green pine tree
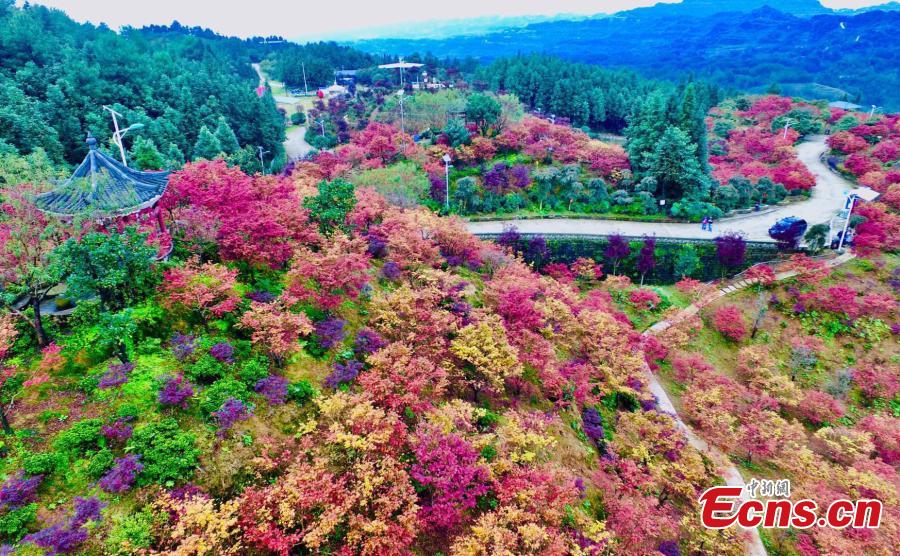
x=644, y=131
x=207, y=145
x=674, y=164
x=226, y=137
x=686, y=261
x=145, y=155
x=174, y=157
x=246, y=159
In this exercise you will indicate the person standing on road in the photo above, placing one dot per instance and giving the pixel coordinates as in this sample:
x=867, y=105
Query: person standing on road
x=703, y=223
x=709, y=224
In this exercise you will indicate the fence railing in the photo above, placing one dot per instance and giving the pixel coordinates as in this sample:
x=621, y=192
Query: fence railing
x=561, y=235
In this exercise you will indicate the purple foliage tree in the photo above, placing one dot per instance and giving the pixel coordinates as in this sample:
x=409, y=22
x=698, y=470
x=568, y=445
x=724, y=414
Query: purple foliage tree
x=537, y=251
x=617, y=250
x=592, y=425
x=520, y=177
x=18, y=491
x=391, y=271
x=646, y=260
x=510, y=238
x=731, y=249
x=118, y=431
x=496, y=180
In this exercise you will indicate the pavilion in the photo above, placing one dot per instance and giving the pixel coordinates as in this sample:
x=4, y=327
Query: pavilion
x=104, y=189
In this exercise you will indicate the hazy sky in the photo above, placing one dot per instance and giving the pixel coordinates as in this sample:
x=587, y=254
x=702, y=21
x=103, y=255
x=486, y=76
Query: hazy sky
x=317, y=18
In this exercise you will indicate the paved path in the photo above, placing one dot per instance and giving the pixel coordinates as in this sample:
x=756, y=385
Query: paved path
x=295, y=145
x=728, y=472
x=826, y=199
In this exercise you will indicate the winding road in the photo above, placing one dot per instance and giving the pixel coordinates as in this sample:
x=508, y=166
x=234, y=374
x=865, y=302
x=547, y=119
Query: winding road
x=295, y=145
x=827, y=197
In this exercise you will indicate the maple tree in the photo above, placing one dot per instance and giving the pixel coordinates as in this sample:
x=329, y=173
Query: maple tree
x=208, y=288
x=28, y=238
x=258, y=219
x=275, y=328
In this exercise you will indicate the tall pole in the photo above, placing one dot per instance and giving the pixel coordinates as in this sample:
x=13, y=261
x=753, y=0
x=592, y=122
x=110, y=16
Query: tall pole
x=846, y=223
x=871, y=112
x=305, y=88
x=402, y=121
x=262, y=163
x=117, y=136
x=447, y=182
x=787, y=124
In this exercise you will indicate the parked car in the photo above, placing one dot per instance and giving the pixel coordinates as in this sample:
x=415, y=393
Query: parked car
x=788, y=231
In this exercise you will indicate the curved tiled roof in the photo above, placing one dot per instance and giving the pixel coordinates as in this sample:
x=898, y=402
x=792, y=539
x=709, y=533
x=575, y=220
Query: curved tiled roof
x=102, y=184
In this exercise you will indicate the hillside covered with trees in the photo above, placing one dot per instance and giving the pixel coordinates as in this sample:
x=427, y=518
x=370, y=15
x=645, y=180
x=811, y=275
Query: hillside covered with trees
x=56, y=75
x=738, y=50
x=324, y=360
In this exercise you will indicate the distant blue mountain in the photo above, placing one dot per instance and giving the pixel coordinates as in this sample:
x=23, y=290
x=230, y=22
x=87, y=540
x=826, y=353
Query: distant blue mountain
x=744, y=44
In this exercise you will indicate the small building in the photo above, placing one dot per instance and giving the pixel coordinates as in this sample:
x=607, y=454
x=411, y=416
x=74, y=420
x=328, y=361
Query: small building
x=345, y=76
x=335, y=91
x=105, y=190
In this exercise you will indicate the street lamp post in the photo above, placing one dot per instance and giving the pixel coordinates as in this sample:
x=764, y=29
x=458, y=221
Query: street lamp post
x=446, y=159
x=852, y=201
x=402, y=121
x=118, y=134
x=305, y=88
x=787, y=124
x=262, y=163
x=871, y=112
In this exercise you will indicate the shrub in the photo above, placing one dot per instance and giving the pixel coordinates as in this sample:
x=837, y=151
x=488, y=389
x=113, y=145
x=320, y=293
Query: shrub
x=42, y=464
x=122, y=476
x=213, y=397
x=274, y=388
x=231, y=411
x=100, y=464
x=175, y=391
x=18, y=491
x=81, y=438
x=253, y=370
x=206, y=369
x=131, y=532
x=14, y=524
x=168, y=454
x=643, y=298
x=729, y=321
x=301, y=391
